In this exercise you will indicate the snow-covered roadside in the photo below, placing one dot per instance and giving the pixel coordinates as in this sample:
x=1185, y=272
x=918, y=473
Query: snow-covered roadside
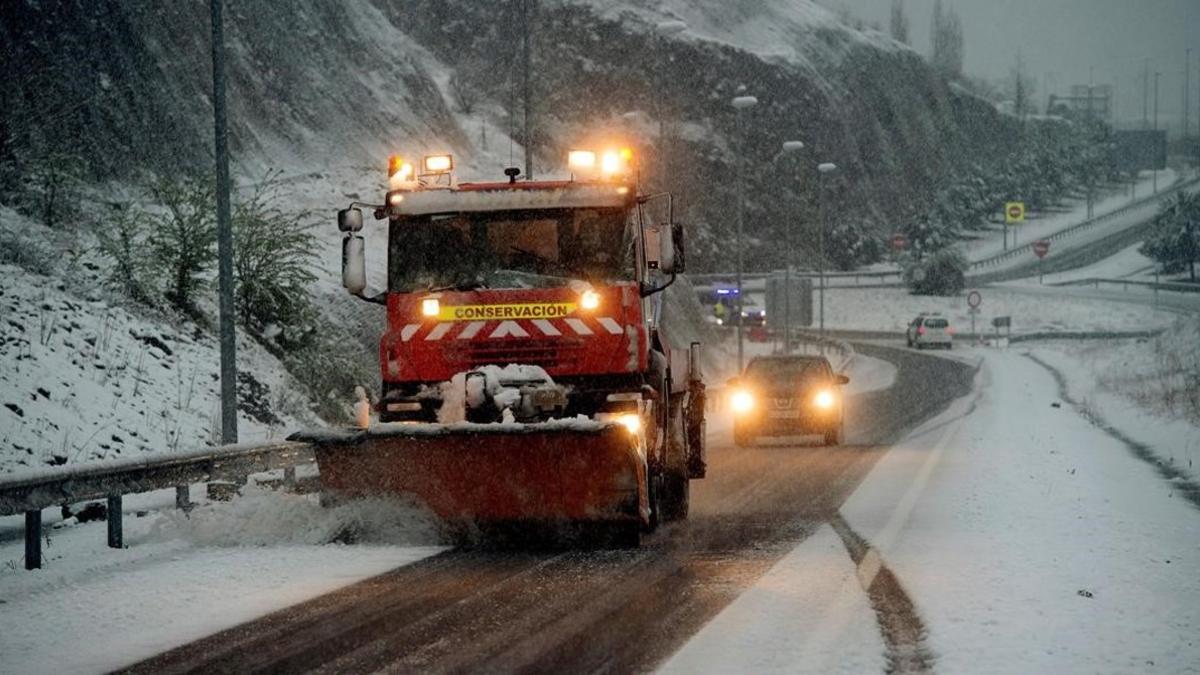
x=1121, y=383
x=1031, y=541
x=1040, y=225
x=891, y=309
x=185, y=577
x=807, y=614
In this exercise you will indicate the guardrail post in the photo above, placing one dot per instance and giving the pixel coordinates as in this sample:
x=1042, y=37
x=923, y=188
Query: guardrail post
x=289, y=476
x=114, y=521
x=33, y=540
x=183, y=497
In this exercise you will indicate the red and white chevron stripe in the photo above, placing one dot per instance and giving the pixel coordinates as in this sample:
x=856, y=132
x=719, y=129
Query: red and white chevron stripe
x=474, y=330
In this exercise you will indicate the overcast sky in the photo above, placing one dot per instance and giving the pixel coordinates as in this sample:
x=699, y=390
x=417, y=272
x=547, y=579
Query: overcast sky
x=1060, y=39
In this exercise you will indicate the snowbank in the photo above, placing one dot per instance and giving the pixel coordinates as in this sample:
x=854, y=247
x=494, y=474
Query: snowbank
x=184, y=577
x=1030, y=540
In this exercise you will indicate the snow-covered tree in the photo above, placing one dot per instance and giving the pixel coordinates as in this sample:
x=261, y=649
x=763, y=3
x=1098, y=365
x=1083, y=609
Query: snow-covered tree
x=1175, y=242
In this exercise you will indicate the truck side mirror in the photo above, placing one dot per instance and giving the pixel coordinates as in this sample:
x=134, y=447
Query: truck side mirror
x=666, y=247
x=677, y=238
x=653, y=238
x=354, y=263
x=350, y=220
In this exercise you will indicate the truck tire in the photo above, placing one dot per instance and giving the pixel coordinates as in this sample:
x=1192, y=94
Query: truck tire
x=834, y=436
x=675, y=497
x=743, y=438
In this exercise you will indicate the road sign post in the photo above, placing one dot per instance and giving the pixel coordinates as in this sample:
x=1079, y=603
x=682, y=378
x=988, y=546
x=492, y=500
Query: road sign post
x=974, y=300
x=1040, y=248
x=1014, y=214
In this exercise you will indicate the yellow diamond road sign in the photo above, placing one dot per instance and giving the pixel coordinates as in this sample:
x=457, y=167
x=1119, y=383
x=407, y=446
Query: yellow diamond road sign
x=1014, y=212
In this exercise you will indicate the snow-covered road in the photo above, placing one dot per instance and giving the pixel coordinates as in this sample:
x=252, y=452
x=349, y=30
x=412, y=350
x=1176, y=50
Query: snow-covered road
x=1028, y=539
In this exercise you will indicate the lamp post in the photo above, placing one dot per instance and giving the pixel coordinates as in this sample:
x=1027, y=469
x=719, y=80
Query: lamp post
x=788, y=148
x=822, y=169
x=663, y=30
x=740, y=103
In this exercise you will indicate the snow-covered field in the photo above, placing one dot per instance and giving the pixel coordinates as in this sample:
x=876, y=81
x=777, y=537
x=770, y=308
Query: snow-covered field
x=1028, y=539
x=183, y=577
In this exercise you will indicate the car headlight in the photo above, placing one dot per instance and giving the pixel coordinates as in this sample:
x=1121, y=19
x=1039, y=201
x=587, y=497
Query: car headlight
x=824, y=399
x=742, y=401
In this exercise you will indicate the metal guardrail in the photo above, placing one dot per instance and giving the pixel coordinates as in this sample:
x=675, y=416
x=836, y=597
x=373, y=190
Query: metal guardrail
x=1174, y=286
x=754, y=276
x=1027, y=248
x=30, y=493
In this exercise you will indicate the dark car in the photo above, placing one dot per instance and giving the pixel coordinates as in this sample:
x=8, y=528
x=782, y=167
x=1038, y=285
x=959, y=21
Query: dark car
x=787, y=396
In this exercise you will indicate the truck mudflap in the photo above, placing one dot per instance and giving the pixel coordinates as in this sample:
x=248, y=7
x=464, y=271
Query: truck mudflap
x=557, y=472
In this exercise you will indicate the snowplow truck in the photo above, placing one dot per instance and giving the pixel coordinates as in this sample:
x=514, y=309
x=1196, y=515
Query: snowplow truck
x=527, y=378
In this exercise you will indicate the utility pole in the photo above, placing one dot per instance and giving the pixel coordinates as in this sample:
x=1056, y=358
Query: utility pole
x=228, y=343
x=740, y=103
x=1091, y=170
x=1187, y=95
x=1146, y=94
x=527, y=11
x=1155, y=179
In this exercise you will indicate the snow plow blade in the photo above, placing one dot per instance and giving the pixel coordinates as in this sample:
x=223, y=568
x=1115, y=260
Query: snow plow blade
x=549, y=473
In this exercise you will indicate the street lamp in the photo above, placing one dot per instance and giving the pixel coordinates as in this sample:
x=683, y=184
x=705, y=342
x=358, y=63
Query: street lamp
x=789, y=148
x=740, y=103
x=663, y=30
x=822, y=169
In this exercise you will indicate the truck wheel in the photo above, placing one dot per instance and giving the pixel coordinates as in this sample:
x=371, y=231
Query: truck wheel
x=834, y=436
x=743, y=438
x=675, y=496
x=654, y=485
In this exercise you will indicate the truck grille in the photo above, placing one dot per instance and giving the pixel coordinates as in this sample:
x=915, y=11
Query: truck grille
x=549, y=354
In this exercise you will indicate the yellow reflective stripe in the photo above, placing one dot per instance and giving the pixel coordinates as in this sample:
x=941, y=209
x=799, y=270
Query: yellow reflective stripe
x=552, y=310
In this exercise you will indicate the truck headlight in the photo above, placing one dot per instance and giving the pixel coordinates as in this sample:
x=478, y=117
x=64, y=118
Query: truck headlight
x=631, y=422
x=431, y=307
x=589, y=300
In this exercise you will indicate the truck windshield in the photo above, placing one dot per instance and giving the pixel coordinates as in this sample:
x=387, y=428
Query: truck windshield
x=510, y=249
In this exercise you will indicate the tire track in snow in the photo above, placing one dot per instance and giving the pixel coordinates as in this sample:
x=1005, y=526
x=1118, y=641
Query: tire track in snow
x=903, y=631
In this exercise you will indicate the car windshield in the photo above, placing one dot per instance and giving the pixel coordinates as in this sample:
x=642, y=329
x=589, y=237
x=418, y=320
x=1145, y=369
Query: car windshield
x=510, y=249
x=785, y=371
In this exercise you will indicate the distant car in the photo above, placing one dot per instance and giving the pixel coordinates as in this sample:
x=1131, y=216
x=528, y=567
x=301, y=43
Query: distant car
x=787, y=396
x=930, y=330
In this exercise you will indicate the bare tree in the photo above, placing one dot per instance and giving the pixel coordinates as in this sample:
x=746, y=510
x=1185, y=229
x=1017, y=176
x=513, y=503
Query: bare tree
x=947, y=41
x=899, y=23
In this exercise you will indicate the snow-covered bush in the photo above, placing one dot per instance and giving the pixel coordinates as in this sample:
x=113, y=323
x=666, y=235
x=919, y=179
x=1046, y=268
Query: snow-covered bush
x=1175, y=240
x=941, y=273
x=122, y=236
x=182, y=238
x=274, y=256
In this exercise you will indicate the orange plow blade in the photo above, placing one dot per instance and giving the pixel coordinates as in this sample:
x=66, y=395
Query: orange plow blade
x=549, y=472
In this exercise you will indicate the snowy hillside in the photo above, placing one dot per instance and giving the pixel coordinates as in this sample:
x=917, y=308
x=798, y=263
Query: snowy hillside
x=318, y=86
x=83, y=378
